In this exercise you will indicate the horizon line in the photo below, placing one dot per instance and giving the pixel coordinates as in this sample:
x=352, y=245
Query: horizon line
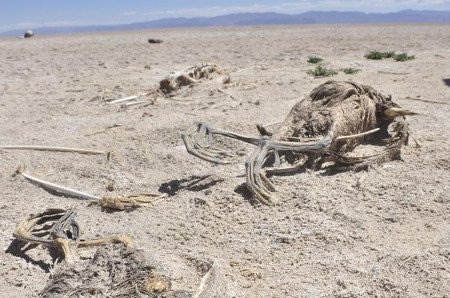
x=106, y=24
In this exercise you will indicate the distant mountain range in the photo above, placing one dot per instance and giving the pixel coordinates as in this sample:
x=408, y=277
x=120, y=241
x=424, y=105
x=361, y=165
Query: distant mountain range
x=267, y=18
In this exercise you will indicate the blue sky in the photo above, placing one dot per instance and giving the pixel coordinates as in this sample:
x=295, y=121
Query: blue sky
x=23, y=14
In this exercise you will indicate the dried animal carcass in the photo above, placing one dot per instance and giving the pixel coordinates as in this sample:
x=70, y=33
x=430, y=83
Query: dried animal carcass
x=58, y=228
x=191, y=76
x=325, y=126
x=114, y=271
x=118, y=271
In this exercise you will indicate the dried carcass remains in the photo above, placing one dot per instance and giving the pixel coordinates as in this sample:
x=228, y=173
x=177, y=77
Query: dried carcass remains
x=59, y=229
x=192, y=76
x=325, y=126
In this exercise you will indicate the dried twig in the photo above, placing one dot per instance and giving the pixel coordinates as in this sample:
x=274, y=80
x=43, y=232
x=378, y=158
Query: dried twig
x=51, y=148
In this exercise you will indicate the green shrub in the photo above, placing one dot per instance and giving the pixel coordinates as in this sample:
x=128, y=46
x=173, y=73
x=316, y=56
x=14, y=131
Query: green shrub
x=350, y=70
x=322, y=71
x=375, y=55
x=403, y=57
x=314, y=59
x=388, y=54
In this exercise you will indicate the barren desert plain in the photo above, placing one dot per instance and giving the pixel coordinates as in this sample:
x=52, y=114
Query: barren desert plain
x=384, y=232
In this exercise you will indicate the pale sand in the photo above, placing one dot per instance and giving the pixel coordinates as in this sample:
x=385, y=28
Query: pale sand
x=389, y=236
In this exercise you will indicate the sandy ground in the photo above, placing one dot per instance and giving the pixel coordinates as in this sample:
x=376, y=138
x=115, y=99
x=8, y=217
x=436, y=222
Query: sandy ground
x=384, y=232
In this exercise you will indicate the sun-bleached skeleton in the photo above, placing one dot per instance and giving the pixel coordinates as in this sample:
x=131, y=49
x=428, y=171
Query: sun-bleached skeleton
x=331, y=121
x=58, y=228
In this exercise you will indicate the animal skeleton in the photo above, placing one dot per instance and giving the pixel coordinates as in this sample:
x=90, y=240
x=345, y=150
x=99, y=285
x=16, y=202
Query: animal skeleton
x=325, y=126
x=58, y=228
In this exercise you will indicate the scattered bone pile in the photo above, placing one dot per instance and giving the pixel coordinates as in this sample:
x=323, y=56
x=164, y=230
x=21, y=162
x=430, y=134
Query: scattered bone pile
x=192, y=76
x=174, y=83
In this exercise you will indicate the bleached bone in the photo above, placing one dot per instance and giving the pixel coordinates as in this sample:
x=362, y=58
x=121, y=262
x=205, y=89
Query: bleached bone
x=129, y=98
x=52, y=148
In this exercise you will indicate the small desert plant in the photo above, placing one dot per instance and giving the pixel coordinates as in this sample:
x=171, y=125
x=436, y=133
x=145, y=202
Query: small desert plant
x=375, y=55
x=350, y=70
x=322, y=71
x=403, y=57
x=314, y=59
x=388, y=54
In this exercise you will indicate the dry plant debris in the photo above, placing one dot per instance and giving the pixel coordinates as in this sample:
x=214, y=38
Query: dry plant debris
x=328, y=124
x=117, y=202
x=59, y=229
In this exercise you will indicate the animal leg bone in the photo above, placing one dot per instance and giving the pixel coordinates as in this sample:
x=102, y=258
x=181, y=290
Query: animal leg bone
x=257, y=182
x=64, y=245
